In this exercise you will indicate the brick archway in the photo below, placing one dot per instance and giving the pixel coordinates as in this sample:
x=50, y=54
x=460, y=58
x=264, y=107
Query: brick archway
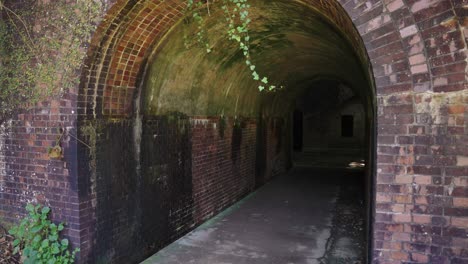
x=416, y=49
x=123, y=43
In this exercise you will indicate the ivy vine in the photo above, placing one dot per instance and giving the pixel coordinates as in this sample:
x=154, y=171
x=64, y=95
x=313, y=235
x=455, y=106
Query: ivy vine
x=236, y=13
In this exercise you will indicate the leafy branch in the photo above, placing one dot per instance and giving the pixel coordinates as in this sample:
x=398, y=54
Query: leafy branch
x=236, y=13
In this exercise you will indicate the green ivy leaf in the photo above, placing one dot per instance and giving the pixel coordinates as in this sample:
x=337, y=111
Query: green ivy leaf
x=53, y=237
x=16, y=242
x=45, y=243
x=36, y=240
x=36, y=229
x=64, y=242
x=30, y=208
x=256, y=77
x=45, y=210
x=13, y=231
x=55, y=249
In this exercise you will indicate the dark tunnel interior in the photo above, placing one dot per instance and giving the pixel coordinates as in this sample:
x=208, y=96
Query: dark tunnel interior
x=204, y=136
x=325, y=109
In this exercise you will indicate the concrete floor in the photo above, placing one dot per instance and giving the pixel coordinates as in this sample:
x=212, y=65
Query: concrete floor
x=308, y=216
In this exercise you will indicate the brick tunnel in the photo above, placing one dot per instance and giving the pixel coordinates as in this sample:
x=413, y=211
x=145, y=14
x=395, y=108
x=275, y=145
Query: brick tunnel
x=197, y=136
x=175, y=135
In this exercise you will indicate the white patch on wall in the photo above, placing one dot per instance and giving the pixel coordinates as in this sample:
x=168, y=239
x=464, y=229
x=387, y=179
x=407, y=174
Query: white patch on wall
x=199, y=121
x=434, y=104
x=2, y=157
x=3, y=135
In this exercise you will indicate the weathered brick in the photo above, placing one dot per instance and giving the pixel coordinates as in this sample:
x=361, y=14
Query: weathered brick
x=402, y=218
x=460, y=222
x=460, y=202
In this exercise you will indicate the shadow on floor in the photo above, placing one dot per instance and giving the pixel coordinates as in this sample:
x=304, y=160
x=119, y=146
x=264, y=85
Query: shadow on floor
x=306, y=216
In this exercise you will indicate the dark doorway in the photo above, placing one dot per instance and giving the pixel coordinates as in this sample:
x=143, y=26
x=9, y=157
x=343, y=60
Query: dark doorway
x=347, y=126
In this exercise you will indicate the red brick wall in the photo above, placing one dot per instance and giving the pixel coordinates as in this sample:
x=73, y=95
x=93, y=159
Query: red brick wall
x=417, y=50
x=223, y=164
x=29, y=175
x=191, y=168
x=418, y=53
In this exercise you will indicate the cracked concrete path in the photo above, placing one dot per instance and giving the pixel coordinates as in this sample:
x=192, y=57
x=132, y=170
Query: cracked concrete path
x=290, y=220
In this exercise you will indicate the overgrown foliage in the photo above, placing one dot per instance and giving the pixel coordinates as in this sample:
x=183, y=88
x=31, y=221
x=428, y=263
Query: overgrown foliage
x=41, y=48
x=37, y=239
x=236, y=14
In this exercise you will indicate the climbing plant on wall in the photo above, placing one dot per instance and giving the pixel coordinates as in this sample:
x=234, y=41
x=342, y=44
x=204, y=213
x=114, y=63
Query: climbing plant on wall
x=236, y=14
x=41, y=48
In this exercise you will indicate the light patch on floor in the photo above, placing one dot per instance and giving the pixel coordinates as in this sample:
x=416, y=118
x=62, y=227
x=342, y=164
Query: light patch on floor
x=343, y=249
x=321, y=246
x=194, y=239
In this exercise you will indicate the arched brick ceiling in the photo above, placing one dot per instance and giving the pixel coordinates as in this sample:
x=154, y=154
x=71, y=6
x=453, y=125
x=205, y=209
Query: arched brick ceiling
x=118, y=51
x=125, y=39
x=290, y=44
x=405, y=41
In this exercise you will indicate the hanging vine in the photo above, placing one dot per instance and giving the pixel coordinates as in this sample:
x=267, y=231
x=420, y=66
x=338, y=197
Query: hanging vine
x=236, y=13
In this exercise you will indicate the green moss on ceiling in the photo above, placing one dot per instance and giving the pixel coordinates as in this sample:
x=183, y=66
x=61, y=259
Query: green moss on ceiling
x=291, y=44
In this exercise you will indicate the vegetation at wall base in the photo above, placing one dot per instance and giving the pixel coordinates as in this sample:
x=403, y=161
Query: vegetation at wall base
x=6, y=248
x=37, y=240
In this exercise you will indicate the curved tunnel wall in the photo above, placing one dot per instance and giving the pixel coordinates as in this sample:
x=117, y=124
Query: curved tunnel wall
x=417, y=52
x=291, y=44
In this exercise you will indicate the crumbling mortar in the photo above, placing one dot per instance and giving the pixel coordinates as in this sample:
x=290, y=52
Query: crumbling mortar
x=434, y=103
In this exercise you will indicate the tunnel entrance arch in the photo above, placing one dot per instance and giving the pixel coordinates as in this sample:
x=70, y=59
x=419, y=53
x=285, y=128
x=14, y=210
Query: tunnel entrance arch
x=132, y=30
x=117, y=68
